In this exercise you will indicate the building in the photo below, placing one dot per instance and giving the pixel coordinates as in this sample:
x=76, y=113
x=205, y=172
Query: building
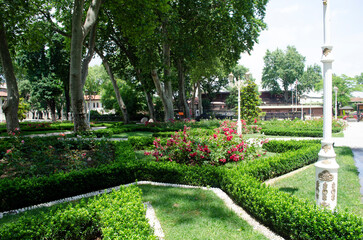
x=3, y=97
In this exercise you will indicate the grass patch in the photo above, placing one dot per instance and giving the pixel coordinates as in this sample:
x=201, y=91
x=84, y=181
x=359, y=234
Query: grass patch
x=195, y=214
x=133, y=134
x=349, y=198
x=339, y=134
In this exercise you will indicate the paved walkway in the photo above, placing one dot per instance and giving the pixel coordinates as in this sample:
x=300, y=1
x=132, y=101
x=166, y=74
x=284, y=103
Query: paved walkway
x=353, y=138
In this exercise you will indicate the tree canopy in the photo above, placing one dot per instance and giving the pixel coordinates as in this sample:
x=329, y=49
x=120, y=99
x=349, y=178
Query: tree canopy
x=284, y=69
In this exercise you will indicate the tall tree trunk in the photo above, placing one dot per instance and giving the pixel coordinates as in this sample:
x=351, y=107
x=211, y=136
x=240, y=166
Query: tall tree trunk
x=119, y=99
x=167, y=102
x=67, y=97
x=10, y=108
x=168, y=91
x=148, y=96
x=181, y=81
x=117, y=91
x=79, y=32
x=193, y=99
x=200, y=104
x=51, y=105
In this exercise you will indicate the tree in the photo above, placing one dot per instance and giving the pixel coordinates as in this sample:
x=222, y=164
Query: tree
x=250, y=97
x=309, y=79
x=79, y=32
x=10, y=108
x=282, y=69
x=345, y=85
x=133, y=98
x=359, y=78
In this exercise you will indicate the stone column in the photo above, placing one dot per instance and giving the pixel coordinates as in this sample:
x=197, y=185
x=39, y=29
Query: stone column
x=326, y=169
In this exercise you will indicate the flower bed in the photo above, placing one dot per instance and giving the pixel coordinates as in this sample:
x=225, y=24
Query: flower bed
x=40, y=156
x=287, y=215
x=200, y=147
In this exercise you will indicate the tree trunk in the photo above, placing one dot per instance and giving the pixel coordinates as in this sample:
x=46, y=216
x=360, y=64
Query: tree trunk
x=10, y=108
x=200, y=104
x=51, y=105
x=167, y=102
x=117, y=90
x=286, y=96
x=148, y=96
x=181, y=81
x=193, y=99
x=67, y=97
x=168, y=91
x=119, y=99
x=79, y=32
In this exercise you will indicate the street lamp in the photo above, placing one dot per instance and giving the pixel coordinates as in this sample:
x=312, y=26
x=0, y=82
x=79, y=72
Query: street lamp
x=336, y=101
x=326, y=168
x=238, y=84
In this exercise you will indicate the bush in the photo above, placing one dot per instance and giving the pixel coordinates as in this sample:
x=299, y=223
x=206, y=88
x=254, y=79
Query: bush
x=224, y=146
x=139, y=143
x=41, y=156
x=118, y=215
x=103, y=133
x=288, y=216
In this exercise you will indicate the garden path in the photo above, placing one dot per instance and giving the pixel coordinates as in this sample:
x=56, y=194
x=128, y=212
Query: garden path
x=353, y=138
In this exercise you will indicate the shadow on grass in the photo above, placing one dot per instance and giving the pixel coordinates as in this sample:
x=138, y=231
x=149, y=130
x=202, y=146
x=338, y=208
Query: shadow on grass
x=188, y=206
x=290, y=190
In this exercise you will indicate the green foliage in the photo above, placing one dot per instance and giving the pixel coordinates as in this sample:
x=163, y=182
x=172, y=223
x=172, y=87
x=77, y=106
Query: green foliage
x=119, y=214
x=133, y=99
x=282, y=69
x=23, y=109
x=287, y=215
x=297, y=127
x=202, y=147
x=345, y=86
x=139, y=143
x=40, y=156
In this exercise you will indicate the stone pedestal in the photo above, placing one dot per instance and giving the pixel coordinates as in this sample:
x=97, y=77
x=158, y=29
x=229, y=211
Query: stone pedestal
x=326, y=178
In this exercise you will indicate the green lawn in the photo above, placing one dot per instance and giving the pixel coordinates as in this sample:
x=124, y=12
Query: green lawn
x=302, y=184
x=195, y=214
x=133, y=134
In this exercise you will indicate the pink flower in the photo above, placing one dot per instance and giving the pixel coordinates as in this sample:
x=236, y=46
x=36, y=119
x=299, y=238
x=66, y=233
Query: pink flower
x=229, y=138
x=215, y=135
x=8, y=151
x=255, y=120
x=22, y=141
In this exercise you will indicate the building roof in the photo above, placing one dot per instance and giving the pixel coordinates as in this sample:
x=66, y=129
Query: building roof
x=356, y=99
x=93, y=97
x=346, y=108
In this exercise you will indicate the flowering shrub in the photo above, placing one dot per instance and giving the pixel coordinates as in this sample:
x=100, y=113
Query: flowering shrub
x=219, y=148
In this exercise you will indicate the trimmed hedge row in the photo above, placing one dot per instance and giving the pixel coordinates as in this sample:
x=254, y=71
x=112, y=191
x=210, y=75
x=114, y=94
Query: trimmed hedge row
x=290, y=217
x=296, y=132
x=117, y=215
x=286, y=215
x=277, y=146
x=18, y=193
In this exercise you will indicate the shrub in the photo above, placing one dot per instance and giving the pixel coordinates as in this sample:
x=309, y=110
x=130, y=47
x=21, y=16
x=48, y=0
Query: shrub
x=118, y=215
x=222, y=147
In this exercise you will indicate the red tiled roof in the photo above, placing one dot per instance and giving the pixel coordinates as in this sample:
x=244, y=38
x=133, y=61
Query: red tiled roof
x=93, y=97
x=356, y=99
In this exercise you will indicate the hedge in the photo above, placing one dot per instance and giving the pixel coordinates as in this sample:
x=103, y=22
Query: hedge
x=117, y=215
x=288, y=216
x=278, y=131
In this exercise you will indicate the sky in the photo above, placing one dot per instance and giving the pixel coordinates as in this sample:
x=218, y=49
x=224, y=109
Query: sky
x=300, y=23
